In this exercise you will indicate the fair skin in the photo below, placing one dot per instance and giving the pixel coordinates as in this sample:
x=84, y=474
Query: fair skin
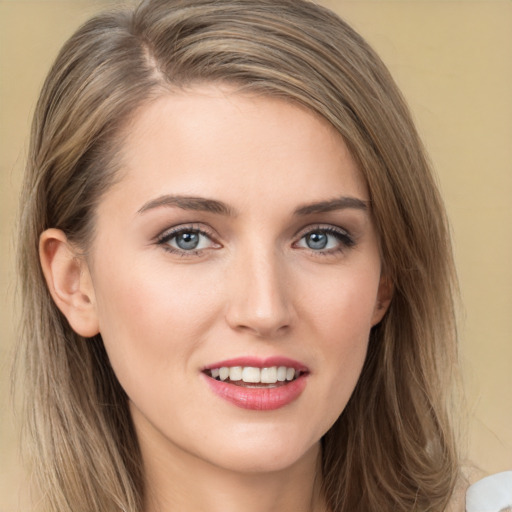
x=240, y=228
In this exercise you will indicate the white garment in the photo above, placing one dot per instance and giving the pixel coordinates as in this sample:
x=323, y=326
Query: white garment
x=491, y=494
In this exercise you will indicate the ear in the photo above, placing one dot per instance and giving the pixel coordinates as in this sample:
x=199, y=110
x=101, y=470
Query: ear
x=69, y=282
x=384, y=296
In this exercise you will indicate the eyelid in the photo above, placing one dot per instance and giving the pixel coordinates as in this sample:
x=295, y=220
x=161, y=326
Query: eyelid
x=168, y=234
x=322, y=227
x=345, y=238
x=169, y=231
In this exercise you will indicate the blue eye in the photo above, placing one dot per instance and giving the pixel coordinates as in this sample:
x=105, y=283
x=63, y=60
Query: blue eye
x=326, y=240
x=317, y=240
x=186, y=240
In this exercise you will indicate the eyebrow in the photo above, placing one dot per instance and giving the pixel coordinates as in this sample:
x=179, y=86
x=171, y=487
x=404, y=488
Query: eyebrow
x=189, y=203
x=213, y=206
x=339, y=203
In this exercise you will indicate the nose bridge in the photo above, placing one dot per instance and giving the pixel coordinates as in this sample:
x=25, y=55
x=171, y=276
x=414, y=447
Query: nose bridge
x=259, y=301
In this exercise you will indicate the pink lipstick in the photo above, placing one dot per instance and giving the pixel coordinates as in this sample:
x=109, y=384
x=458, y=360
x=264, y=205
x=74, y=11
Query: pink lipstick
x=258, y=384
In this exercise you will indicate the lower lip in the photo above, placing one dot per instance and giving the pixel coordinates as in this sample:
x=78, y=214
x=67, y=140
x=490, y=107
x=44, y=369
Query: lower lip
x=258, y=399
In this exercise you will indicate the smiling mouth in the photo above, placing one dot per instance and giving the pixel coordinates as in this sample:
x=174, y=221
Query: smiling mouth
x=253, y=377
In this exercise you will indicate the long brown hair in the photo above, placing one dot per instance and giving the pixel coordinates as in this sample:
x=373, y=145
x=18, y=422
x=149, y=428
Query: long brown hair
x=392, y=448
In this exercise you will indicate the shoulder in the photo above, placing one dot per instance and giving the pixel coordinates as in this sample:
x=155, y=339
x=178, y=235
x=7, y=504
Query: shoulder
x=490, y=494
x=476, y=494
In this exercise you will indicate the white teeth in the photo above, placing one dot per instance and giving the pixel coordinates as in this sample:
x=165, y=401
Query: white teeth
x=235, y=373
x=250, y=374
x=254, y=375
x=281, y=373
x=269, y=375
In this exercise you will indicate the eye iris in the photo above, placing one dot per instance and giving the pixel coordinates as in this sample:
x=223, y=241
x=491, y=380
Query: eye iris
x=188, y=240
x=317, y=240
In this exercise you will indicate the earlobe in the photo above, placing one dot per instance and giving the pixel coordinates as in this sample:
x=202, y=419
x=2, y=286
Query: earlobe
x=69, y=282
x=384, y=296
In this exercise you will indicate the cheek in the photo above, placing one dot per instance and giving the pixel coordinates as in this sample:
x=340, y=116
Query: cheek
x=342, y=316
x=152, y=322
x=342, y=309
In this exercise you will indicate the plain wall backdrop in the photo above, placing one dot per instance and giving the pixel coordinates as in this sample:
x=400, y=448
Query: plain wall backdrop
x=453, y=62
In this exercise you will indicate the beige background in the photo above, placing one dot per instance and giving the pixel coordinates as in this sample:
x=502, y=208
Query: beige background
x=453, y=61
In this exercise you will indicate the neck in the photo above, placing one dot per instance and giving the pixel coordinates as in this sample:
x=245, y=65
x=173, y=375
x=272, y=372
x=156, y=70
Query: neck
x=188, y=484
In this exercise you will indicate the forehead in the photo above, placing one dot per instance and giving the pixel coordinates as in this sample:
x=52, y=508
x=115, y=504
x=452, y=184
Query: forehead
x=216, y=142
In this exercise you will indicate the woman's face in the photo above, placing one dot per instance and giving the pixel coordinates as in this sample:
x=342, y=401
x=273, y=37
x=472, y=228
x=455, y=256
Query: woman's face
x=239, y=237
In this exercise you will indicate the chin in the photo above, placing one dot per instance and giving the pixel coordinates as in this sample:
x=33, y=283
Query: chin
x=264, y=454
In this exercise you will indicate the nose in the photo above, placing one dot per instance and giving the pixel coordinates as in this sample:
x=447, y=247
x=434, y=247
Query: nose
x=259, y=296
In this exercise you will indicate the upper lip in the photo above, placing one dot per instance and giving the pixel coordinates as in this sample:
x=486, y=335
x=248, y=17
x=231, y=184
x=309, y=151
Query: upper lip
x=257, y=362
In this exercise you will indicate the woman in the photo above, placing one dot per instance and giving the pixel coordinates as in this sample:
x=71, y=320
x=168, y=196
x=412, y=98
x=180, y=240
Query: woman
x=237, y=278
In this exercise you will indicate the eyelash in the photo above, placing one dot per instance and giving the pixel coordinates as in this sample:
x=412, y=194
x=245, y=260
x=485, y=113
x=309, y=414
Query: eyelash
x=346, y=241
x=169, y=235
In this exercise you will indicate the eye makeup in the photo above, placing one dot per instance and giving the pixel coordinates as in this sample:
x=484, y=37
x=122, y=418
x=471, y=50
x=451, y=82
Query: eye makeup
x=194, y=239
x=325, y=239
x=187, y=240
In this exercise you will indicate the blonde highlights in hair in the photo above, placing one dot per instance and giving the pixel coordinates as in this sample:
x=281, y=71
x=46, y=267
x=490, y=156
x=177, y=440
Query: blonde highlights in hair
x=392, y=448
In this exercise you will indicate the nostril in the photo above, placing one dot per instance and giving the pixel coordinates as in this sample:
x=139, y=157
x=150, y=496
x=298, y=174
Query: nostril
x=262, y=330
